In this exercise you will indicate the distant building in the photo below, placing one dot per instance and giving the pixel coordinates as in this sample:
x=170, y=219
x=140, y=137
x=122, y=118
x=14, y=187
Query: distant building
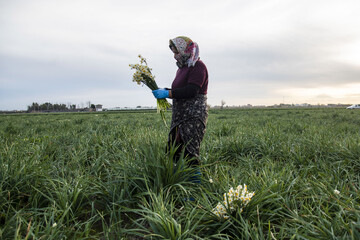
x=98, y=107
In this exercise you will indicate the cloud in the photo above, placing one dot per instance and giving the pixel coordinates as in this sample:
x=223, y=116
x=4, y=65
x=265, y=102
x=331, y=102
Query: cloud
x=345, y=93
x=256, y=51
x=323, y=96
x=292, y=61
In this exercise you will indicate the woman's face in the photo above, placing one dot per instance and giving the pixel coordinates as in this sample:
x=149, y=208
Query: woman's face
x=175, y=51
x=178, y=57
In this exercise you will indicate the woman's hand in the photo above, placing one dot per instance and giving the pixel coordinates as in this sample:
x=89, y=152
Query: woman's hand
x=161, y=93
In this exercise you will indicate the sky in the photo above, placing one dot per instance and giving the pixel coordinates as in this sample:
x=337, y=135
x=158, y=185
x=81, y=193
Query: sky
x=259, y=52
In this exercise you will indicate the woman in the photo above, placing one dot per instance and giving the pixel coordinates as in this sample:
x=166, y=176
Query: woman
x=189, y=94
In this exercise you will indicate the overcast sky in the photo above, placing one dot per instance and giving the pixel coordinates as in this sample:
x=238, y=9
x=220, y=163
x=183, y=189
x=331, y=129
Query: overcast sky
x=258, y=52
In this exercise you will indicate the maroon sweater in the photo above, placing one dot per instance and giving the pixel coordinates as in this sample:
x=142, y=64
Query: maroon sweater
x=189, y=81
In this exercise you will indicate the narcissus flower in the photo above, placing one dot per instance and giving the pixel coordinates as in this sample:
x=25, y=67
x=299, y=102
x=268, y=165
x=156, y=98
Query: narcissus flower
x=234, y=199
x=144, y=76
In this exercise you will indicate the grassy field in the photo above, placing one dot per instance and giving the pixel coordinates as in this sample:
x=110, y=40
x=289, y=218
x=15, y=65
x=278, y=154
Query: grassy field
x=106, y=176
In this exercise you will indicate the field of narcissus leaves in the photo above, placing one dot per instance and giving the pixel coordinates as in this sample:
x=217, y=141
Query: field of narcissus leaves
x=105, y=175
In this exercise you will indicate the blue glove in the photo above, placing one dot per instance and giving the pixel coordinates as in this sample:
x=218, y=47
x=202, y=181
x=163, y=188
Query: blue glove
x=161, y=93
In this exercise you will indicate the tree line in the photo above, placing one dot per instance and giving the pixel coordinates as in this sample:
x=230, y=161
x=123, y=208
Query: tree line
x=50, y=107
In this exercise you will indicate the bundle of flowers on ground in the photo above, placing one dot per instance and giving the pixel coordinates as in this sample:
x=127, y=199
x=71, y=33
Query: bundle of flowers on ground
x=234, y=199
x=143, y=75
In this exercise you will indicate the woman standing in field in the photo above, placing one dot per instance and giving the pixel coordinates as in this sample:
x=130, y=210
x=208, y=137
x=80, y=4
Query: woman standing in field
x=189, y=94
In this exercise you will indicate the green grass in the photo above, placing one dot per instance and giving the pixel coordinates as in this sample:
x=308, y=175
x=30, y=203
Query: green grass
x=106, y=176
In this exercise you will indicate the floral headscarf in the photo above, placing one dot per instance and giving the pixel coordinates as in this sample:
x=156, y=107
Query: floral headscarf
x=186, y=51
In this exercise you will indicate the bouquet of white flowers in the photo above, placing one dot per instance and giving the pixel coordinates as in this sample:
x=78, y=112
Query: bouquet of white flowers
x=234, y=199
x=143, y=75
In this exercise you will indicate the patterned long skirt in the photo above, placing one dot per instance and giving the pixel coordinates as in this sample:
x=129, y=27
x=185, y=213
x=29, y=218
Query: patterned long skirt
x=188, y=125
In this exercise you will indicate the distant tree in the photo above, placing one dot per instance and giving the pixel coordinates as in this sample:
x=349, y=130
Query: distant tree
x=48, y=106
x=45, y=106
x=34, y=107
x=92, y=106
x=222, y=104
x=56, y=107
x=59, y=107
